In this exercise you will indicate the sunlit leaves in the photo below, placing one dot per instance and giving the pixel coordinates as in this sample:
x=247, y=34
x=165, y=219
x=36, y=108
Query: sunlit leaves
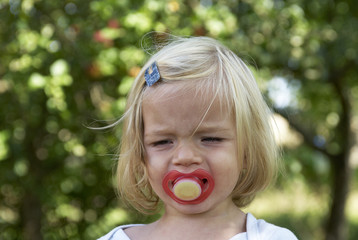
x=140, y=21
x=102, y=8
x=28, y=40
x=74, y=147
x=21, y=64
x=70, y=212
x=11, y=196
x=4, y=149
x=111, y=33
x=132, y=56
x=219, y=20
x=53, y=84
x=107, y=61
x=36, y=80
x=125, y=85
x=4, y=85
x=21, y=167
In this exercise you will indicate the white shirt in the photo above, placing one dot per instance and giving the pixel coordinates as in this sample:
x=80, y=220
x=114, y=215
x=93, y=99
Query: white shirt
x=255, y=230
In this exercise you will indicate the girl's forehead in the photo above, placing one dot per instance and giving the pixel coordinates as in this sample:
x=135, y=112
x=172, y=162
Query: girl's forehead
x=170, y=106
x=170, y=91
x=190, y=99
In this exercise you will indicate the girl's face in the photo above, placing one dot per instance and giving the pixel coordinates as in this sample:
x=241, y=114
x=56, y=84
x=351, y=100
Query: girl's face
x=177, y=136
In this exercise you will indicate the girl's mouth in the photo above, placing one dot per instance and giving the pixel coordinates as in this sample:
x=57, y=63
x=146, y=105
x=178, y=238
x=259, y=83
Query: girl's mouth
x=188, y=188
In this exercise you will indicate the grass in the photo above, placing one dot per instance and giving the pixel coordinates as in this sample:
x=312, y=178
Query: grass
x=302, y=210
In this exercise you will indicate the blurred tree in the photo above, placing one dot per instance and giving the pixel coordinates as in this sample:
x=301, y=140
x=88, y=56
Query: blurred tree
x=64, y=63
x=312, y=47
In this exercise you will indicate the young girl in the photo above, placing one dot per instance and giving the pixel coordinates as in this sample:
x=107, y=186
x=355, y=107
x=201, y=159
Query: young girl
x=196, y=138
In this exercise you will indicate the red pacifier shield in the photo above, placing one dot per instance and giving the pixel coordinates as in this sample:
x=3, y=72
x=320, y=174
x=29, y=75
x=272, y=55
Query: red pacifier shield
x=188, y=188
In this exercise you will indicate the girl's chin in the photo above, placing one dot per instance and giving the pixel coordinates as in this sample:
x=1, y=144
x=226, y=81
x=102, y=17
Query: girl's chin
x=209, y=205
x=188, y=209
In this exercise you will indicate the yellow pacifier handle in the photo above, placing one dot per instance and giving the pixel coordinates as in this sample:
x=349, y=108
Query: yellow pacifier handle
x=187, y=189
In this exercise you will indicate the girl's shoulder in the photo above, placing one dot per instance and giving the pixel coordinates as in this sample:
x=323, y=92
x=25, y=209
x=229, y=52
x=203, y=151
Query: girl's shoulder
x=118, y=233
x=260, y=229
x=256, y=229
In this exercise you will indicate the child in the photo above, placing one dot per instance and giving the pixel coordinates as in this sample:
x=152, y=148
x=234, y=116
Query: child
x=196, y=138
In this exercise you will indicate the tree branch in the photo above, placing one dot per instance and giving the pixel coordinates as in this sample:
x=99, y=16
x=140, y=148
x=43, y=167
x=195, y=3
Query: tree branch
x=336, y=79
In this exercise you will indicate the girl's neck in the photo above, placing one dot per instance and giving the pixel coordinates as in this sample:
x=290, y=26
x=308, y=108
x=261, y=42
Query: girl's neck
x=222, y=215
x=213, y=216
x=217, y=226
x=223, y=222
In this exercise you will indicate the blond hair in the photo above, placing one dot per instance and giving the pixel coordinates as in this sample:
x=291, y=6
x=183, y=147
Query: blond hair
x=212, y=68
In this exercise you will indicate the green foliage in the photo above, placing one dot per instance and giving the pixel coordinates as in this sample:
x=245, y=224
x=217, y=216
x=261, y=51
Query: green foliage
x=65, y=64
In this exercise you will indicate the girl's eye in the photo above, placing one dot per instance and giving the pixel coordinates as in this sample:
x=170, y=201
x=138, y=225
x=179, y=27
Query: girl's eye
x=161, y=142
x=212, y=139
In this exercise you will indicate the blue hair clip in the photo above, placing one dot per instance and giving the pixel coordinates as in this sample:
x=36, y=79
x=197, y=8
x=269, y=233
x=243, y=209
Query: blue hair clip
x=152, y=77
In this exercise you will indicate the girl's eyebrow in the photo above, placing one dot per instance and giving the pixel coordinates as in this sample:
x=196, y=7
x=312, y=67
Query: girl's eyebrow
x=213, y=129
x=200, y=130
x=154, y=132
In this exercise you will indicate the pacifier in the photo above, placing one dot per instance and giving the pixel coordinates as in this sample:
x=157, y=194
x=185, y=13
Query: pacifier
x=188, y=188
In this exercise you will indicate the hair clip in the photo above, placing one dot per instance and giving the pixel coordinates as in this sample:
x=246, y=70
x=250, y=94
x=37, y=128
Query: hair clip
x=152, y=77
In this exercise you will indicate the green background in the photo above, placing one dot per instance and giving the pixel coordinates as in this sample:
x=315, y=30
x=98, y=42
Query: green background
x=68, y=65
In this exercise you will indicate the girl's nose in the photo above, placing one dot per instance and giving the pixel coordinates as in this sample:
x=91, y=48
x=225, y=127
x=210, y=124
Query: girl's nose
x=186, y=155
